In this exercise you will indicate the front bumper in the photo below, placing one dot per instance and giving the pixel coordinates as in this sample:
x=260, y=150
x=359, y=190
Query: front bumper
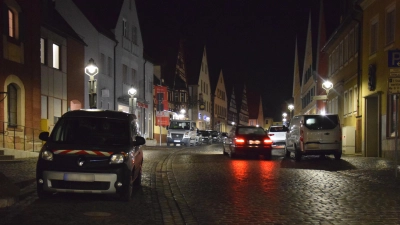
x=178, y=141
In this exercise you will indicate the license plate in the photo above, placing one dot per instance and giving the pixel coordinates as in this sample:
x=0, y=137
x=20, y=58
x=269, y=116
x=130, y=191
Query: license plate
x=177, y=140
x=255, y=142
x=79, y=177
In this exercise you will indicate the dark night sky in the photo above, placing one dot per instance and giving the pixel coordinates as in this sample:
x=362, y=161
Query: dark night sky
x=251, y=40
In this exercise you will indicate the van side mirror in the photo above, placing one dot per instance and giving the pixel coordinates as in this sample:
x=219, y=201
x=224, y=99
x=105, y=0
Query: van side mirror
x=139, y=141
x=44, y=136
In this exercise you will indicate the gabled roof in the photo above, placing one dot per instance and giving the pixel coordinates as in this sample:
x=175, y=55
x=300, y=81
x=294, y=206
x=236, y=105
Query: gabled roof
x=103, y=14
x=194, y=56
x=52, y=20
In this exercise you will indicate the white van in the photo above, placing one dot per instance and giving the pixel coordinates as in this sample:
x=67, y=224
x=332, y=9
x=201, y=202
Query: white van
x=182, y=132
x=314, y=135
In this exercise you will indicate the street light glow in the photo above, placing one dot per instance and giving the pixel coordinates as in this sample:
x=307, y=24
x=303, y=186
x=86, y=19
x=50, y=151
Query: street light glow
x=91, y=69
x=327, y=85
x=183, y=111
x=284, y=115
x=132, y=92
x=290, y=107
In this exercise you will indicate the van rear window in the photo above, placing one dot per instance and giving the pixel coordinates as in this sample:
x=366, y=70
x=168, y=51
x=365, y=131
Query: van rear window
x=319, y=122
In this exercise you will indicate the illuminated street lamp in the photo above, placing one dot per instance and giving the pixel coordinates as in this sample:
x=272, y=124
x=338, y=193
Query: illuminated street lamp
x=132, y=100
x=290, y=107
x=284, y=115
x=91, y=70
x=327, y=85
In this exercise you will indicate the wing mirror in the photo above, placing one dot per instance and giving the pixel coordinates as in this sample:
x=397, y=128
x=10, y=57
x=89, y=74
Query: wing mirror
x=44, y=136
x=139, y=141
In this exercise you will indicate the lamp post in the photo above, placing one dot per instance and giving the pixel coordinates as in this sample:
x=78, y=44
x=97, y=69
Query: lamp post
x=91, y=70
x=290, y=107
x=132, y=100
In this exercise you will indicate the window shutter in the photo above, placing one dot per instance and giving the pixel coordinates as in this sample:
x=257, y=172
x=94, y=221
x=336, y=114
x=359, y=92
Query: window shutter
x=5, y=19
x=21, y=27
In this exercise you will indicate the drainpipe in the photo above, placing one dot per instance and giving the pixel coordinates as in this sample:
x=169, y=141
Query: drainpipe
x=358, y=9
x=144, y=96
x=115, y=77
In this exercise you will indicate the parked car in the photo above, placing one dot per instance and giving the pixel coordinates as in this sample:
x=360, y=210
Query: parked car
x=245, y=140
x=199, y=138
x=314, y=135
x=223, y=136
x=214, y=136
x=278, y=136
x=206, y=136
x=91, y=151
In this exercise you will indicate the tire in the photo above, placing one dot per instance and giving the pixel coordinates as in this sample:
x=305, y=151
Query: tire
x=41, y=193
x=232, y=155
x=138, y=180
x=297, y=153
x=338, y=156
x=126, y=194
x=223, y=151
x=287, y=152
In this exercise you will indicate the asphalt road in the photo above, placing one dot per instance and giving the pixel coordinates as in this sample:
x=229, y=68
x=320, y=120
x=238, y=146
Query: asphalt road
x=199, y=185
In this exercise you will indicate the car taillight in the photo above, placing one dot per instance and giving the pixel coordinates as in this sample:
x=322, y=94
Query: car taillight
x=270, y=134
x=239, y=141
x=268, y=141
x=301, y=135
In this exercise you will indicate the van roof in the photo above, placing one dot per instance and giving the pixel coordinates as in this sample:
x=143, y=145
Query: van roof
x=98, y=113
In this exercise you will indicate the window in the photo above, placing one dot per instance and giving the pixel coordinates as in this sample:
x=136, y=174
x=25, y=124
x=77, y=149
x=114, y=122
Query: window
x=42, y=51
x=182, y=97
x=351, y=43
x=392, y=111
x=346, y=106
x=390, y=25
x=11, y=24
x=124, y=28
x=124, y=74
x=351, y=105
x=134, y=35
x=373, y=37
x=12, y=105
x=134, y=77
x=355, y=101
x=356, y=37
x=341, y=54
x=109, y=67
x=56, y=56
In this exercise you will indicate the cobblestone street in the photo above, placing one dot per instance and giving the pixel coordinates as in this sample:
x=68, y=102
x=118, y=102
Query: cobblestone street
x=199, y=185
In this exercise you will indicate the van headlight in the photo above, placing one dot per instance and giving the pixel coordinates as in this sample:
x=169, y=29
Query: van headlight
x=117, y=158
x=47, y=155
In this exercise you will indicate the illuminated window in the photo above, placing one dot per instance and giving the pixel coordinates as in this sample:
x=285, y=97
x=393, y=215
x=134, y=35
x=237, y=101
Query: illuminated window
x=11, y=24
x=56, y=56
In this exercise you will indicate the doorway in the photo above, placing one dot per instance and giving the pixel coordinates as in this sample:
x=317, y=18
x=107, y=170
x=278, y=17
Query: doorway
x=372, y=126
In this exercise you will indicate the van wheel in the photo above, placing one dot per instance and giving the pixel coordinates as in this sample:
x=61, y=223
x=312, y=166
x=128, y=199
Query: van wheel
x=338, y=156
x=42, y=194
x=297, y=153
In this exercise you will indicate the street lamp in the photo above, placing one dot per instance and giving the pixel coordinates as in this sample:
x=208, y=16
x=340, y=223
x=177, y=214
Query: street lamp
x=327, y=85
x=284, y=115
x=132, y=100
x=91, y=70
x=290, y=107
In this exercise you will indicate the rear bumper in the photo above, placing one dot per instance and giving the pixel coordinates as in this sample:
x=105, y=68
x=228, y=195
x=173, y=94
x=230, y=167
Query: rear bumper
x=251, y=150
x=322, y=149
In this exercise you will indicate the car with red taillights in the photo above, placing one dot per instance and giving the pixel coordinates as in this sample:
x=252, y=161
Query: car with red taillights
x=247, y=140
x=91, y=151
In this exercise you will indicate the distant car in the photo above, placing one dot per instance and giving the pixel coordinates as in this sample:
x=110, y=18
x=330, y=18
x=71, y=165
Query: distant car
x=199, y=138
x=278, y=136
x=246, y=140
x=214, y=135
x=223, y=136
x=206, y=136
x=91, y=151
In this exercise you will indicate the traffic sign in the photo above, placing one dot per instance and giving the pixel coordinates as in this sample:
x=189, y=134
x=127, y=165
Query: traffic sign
x=394, y=85
x=394, y=58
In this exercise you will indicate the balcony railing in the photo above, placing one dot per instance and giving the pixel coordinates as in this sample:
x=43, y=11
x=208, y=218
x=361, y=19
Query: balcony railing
x=20, y=137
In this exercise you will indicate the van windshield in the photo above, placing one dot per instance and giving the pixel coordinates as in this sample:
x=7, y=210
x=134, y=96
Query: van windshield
x=321, y=122
x=179, y=125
